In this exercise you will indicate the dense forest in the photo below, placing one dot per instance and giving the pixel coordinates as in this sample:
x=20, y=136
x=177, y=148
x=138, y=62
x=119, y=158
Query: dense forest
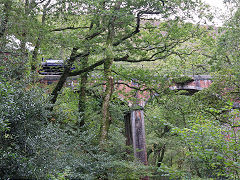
x=81, y=131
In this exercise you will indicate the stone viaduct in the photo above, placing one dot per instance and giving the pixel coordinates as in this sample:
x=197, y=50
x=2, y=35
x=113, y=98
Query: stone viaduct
x=134, y=120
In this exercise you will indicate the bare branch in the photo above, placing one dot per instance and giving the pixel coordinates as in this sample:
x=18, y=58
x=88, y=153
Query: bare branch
x=235, y=126
x=41, y=2
x=65, y=74
x=182, y=53
x=166, y=48
x=133, y=87
x=228, y=60
x=143, y=60
x=137, y=28
x=70, y=28
x=90, y=68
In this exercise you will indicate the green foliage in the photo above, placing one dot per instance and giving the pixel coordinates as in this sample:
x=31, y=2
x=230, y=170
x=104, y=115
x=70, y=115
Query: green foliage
x=183, y=80
x=195, y=136
x=25, y=112
x=33, y=148
x=5, y=100
x=196, y=140
x=13, y=65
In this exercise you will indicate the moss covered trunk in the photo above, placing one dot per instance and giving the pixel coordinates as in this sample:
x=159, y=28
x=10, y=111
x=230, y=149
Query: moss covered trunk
x=82, y=93
x=106, y=117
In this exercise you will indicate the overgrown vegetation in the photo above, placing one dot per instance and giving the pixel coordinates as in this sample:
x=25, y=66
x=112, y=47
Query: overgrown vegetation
x=120, y=55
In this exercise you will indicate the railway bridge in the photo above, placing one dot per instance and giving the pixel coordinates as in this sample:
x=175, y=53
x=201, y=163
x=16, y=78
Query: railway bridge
x=134, y=120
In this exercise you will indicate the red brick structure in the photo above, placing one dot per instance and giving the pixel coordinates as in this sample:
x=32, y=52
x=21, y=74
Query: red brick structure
x=134, y=121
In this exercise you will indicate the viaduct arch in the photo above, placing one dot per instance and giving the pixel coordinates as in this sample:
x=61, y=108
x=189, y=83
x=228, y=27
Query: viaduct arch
x=134, y=120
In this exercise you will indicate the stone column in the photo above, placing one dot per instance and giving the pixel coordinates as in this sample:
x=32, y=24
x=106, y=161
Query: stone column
x=138, y=135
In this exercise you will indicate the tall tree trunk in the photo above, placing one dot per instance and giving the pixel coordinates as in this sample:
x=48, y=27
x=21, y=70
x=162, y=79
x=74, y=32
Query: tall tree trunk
x=106, y=117
x=64, y=76
x=38, y=42
x=82, y=92
x=161, y=155
x=23, y=33
x=35, y=54
x=106, y=120
x=74, y=55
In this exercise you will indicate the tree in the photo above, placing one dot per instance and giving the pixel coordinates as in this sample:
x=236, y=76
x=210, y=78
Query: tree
x=187, y=136
x=115, y=33
x=111, y=43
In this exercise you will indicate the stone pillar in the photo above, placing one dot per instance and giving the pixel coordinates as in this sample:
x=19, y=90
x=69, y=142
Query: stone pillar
x=138, y=135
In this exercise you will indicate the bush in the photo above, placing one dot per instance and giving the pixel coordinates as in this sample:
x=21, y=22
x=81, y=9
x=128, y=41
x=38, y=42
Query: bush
x=23, y=114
